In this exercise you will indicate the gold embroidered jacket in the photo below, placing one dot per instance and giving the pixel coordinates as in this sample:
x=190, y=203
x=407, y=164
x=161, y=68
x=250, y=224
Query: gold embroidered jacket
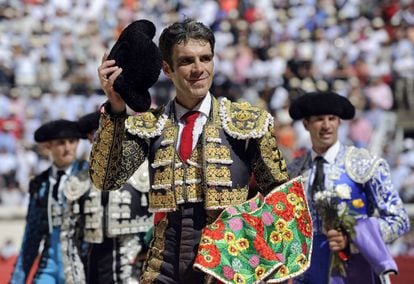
x=236, y=141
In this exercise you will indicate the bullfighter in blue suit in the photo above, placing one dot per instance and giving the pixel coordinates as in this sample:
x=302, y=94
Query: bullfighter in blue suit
x=44, y=216
x=363, y=183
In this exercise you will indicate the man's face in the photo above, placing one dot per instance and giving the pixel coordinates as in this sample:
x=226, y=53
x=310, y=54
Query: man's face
x=192, y=71
x=63, y=151
x=323, y=130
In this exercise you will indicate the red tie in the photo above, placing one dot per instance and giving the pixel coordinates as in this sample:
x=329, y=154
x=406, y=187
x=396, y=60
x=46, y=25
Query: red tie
x=186, y=144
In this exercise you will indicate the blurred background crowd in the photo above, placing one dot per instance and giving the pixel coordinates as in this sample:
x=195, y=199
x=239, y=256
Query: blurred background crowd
x=267, y=53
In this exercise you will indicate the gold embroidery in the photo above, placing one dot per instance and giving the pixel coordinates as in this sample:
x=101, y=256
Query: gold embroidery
x=164, y=154
x=212, y=131
x=216, y=175
x=196, y=155
x=146, y=120
x=194, y=193
x=164, y=200
x=243, y=121
x=217, y=154
x=179, y=194
x=271, y=168
x=192, y=173
x=175, y=182
x=221, y=198
x=115, y=156
x=162, y=176
x=188, y=184
x=100, y=155
x=170, y=133
x=152, y=267
x=147, y=124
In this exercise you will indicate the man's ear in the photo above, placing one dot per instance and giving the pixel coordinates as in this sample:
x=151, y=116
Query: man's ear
x=305, y=123
x=47, y=145
x=166, y=69
x=44, y=148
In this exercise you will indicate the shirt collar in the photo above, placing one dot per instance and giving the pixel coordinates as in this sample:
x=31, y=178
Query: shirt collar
x=330, y=154
x=203, y=107
x=55, y=170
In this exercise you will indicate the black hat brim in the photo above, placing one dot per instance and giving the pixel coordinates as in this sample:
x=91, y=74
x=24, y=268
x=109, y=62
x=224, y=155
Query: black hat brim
x=88, y=123
x=57, y=129
x=321, y=103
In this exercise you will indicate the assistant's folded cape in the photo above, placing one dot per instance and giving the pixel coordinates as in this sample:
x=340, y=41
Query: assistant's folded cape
x=263, y=239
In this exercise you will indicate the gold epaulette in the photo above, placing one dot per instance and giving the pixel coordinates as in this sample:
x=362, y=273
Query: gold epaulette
x=244, y=121
x=146, y=125
x=360, y=164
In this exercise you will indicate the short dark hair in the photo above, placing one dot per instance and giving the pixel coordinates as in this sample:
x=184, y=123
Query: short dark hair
x=183, y=31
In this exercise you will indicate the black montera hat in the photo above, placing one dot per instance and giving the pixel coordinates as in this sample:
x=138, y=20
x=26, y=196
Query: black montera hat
x=321, y=103
x=57, y=129
x=141, y=62
x=88, y=123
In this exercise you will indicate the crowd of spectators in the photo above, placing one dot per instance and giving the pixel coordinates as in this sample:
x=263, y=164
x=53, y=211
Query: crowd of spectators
x=267, y=53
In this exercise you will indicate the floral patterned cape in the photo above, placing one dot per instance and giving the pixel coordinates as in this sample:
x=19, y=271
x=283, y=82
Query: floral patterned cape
x=263, y=239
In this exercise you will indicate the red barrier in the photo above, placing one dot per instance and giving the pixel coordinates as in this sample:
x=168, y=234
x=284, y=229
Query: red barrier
x=6, y=269
x=406, y=272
